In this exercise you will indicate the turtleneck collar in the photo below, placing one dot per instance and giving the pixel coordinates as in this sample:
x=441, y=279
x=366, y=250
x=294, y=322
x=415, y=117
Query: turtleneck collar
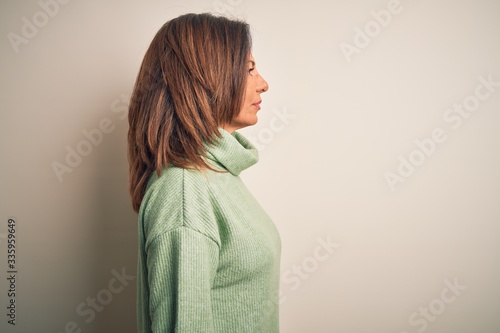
x=233, y=152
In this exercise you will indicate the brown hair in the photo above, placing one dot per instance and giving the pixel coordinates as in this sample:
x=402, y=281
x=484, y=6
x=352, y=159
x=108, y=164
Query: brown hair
x=191, y=81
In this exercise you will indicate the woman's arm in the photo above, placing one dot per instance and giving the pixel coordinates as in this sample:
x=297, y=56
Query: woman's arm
x=181, y=265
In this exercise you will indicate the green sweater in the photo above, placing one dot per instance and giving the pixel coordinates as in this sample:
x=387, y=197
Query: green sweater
x=209, y=256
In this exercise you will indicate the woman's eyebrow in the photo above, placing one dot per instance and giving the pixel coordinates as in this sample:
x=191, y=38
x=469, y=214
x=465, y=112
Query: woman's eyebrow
x=253, y=62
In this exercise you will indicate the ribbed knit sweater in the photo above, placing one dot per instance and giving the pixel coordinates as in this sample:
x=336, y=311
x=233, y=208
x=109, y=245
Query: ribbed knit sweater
x=209, y=255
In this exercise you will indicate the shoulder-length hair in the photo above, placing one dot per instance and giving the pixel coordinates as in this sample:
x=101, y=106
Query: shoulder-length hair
x=191, y=81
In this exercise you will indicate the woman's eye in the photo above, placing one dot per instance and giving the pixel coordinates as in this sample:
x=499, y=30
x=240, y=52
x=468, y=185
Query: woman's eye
x=251, y=70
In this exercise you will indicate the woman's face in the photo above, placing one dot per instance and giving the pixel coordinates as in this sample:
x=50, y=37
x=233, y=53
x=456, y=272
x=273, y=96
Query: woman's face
x=256, y=85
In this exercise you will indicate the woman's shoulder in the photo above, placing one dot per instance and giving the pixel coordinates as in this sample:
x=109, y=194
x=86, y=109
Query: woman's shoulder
x=174, y=179
x=177, y=198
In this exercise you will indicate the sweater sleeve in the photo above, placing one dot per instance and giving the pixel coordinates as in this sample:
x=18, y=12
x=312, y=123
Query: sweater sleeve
x=182, y=264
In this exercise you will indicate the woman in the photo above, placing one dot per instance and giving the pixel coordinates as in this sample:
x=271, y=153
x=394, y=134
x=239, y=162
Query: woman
x=208, y=254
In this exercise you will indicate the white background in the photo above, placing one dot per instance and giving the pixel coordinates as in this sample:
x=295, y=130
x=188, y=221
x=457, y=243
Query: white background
x=332, y=125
